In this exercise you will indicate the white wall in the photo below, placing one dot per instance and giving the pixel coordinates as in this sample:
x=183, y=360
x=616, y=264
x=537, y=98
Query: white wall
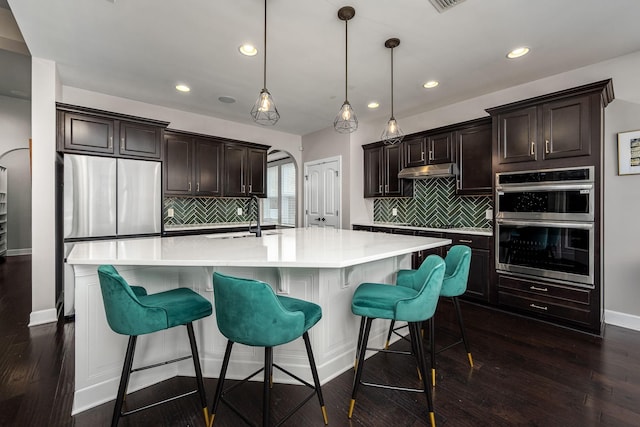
x=15, y=122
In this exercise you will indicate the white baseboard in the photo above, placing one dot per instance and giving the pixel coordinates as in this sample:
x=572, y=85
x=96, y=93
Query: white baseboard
x=17, y=252
x=624, y=320
x=41, y=317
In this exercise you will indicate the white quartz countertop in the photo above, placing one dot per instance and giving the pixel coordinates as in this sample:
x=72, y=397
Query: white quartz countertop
x=460, y=230
x=296, y=247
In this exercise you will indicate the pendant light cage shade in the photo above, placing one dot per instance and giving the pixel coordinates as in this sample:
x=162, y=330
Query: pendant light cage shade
x=392, y=134
x=346, y=120
x=264, y=111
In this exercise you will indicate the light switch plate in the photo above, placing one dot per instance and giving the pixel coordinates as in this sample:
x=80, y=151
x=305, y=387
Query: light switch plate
x=394, y=212
x=239, y=212
x=488, y=214
x=170, y=212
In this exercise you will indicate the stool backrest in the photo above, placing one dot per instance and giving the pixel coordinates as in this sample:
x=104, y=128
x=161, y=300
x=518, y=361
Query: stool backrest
x=427, y=280
x=248, y=312
x=126, y=315
x=458, y=261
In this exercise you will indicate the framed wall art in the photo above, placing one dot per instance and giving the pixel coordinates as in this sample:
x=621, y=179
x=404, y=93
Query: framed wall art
x=629, y=153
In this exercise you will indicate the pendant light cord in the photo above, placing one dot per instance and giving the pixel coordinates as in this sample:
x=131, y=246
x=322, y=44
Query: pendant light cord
x=392, y=83
x=346, y=58
x=264, y=68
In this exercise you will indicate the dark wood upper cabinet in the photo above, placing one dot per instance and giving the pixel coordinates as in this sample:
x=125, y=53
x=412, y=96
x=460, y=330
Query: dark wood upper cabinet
x=473, y=147
x=245, y=171
x=87, y=131
x=440, y=148
x=566, y=128
x=193, y=165
x=517, y=135
x=382, y=163
x=415, y=149
x=140, y=140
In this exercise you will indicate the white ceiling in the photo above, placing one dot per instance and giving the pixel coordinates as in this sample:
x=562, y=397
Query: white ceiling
x=139, y=49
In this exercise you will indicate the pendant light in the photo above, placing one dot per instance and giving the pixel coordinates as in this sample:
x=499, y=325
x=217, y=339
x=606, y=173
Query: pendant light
x=346, y=120
x=392, y=133
x=264, y=110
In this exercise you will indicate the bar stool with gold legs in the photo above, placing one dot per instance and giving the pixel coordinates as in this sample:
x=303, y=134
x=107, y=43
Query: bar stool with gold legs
x=454, y=284
x=250, y=313
x=412, y=300
x=130, y=311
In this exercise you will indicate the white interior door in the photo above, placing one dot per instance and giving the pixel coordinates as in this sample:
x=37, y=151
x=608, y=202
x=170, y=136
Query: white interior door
x=323, y=181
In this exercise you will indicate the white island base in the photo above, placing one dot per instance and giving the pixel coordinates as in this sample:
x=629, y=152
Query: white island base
x=100, y=352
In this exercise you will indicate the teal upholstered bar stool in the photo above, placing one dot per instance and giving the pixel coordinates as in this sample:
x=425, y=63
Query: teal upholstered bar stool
x=130, y=311
x=454, y=284
x=412, y=300
x=250, y=313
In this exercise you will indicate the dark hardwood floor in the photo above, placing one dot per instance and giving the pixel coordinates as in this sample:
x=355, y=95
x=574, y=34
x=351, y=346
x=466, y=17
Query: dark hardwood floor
x=526, y=373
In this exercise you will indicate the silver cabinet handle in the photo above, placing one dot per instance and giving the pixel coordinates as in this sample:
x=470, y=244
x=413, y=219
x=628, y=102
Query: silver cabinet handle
x=243, y=188
x=535, y=288
x=422, y=156
x=386, y=188
x=458, y=184
x=539, y=307
x=533, y=148
x=430, y=155
x=250, y=188
x=546, y=146
x=198, y=186
x=110, y=142
x=380, y=189
x=189, y=186
x=122, y=143
x=465, y=241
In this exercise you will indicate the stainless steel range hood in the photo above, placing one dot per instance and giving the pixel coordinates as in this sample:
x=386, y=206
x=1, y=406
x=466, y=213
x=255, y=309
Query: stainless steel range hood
x=430, y=171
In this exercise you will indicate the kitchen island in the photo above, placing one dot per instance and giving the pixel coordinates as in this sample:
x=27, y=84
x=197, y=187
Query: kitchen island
x=324, y=266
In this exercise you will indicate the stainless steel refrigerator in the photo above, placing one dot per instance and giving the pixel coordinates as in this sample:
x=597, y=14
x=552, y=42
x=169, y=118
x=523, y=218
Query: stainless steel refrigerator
x=108, y=198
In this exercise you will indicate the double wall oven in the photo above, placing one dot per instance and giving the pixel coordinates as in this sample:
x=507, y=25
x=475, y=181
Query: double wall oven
x=545, y=225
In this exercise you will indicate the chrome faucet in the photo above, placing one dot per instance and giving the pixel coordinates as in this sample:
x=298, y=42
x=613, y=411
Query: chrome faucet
x=256, y=230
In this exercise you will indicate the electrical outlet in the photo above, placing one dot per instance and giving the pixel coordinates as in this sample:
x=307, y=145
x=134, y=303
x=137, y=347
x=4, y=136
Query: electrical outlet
x=239, y=212
x=488, y=214
x=170, y=212
x=394, y=212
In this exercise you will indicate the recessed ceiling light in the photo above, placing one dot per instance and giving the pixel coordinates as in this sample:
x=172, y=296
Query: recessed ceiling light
x=227, y=99
x=248, y=50
x=518, y=52
x=373, y=105
x=430, y=84
x=183, y=88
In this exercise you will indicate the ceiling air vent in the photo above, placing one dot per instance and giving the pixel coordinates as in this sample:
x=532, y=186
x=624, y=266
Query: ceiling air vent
x=444, y=5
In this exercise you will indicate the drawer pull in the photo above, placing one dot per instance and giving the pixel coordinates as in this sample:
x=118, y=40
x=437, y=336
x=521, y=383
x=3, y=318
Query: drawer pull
x=539, y=307
x=465, y=241
x=535, y=288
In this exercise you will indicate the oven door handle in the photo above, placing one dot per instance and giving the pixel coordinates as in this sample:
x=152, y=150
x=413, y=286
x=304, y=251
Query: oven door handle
x=557, y=224
x=542, y=187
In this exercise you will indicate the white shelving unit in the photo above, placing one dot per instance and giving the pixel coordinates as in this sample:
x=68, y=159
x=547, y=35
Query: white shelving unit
x=3, y=211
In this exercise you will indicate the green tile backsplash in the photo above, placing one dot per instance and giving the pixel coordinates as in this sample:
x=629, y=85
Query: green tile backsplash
x=205, y=210
x=434, y=202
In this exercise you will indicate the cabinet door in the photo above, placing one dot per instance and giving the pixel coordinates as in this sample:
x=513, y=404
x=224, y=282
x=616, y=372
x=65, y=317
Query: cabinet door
x=566, y=128
x=373, y=172
x=140, y=140
x=208, y=167
x=178, y=167
x=257, y=172
x=415, y=151
x=479, y=277
x=392, y=166
x=440, y=148
x=517, y=136
x=474, y=160
x=88, y=133
x=235, y=161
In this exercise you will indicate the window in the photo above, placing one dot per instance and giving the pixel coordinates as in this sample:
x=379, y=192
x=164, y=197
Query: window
x=280, y=205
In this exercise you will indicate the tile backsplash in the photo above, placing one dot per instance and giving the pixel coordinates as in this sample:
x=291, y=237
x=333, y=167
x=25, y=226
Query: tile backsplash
x=205, y=210
x=435, y=202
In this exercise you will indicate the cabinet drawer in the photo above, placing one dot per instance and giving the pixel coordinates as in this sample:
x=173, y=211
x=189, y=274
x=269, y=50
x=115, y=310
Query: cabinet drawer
x=531, y=304
x=544, y=291
x=471, y=240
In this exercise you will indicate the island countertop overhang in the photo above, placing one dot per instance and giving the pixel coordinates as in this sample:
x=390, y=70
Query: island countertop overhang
x=298, y=247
